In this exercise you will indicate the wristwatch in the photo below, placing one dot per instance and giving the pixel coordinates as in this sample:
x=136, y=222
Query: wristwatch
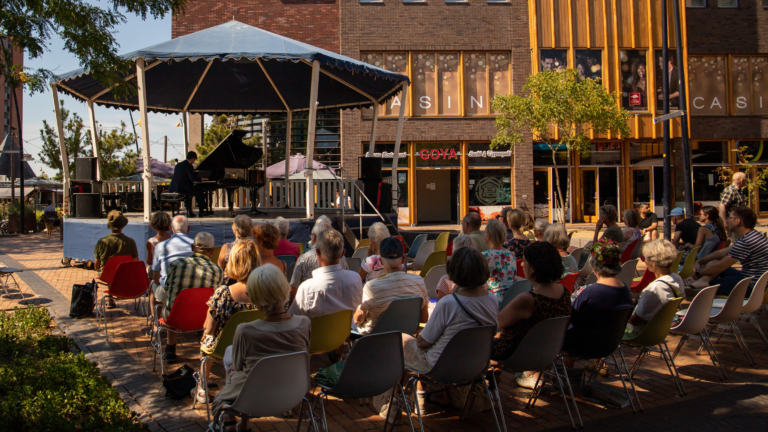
x=697, y=273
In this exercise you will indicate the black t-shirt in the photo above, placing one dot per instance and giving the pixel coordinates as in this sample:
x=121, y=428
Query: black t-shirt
x=690, y=230
x=648, y=221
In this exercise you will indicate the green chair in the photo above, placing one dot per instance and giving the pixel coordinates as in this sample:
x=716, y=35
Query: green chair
x=434, y=259
x=655, y=334
x=330, y=331
x=226, y=337
x=676, y=263
x=687, y=269
x=441, y=243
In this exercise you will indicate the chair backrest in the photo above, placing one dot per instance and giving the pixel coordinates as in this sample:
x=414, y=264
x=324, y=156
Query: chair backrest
x=569, y=281
x=354, y=264
x=519, y=272
x=734, y=304
x=363, y=243
x=402, y=315
x=432, y=279
x=540, y=346
x=216, y=253
x=361, y=252
x=627, y=273
x=638, y=251
x=676, y=262
x=583, y=260
x=687, y=269
x=301, y=248
x=626, y=255
x=287, y=259
x=290, y=269
x=721, y=245
x=130, y=280
x=374, y=366
x=514, y=290
x=599, y=335
x=417, y=242
x=435, y=258
x=657, y=329
x=190, y=309
x=576, y=253
x=425, y=250
x=648, y=277
x=274, y=385
x=757, y=297
x=697, y=315
x=441, y=243
x=110, y=267
x=473, y=347
x=330, y=331
x=227, y=334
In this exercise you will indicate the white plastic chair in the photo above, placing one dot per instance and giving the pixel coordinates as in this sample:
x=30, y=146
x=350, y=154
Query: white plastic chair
x=421, y=257
x=627, y=274
x=432, y=278
x=694, y=322
x=361, y=253
x=755, y=302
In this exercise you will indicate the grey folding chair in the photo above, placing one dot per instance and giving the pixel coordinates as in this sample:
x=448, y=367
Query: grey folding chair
x=627, y=273
x=381, y=353
x=402, y=315
x=291, y=268
x=417, y=242
x=275, y=385
x=514, y=290
x=432, y=279
x=361, y=252
x=694, y=322
x=751, y=305
x=354, y=264
x=539, y=351
x=421, y=257
x=723, y=319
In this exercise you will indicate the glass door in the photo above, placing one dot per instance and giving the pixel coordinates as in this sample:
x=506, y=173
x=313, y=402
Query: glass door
x=589, y=198
x=642, y=187
x=542, y=204
x=608, y=189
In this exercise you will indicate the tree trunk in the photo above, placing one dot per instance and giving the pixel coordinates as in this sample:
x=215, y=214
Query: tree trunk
x=568, y=190
x=558, y=194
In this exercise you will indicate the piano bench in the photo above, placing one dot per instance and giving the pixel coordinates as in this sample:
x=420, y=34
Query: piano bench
x=172, y=199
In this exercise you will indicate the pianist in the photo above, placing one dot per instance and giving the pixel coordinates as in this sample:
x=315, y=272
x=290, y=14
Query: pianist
x=183, y=182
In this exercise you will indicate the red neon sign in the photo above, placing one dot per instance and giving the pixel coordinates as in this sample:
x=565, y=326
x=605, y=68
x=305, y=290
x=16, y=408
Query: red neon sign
x=438, y=154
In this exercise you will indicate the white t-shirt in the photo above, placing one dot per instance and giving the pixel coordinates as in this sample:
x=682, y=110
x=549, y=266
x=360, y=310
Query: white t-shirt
x=448, y=319
x=657, y=294
x=331, y=289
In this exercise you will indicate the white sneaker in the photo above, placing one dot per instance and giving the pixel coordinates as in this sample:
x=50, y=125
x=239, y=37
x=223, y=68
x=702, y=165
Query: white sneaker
x=527, y=380
x=199, y=396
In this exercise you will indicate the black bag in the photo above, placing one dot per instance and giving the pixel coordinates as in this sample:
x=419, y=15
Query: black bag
x=180, y=383
x=83, y=300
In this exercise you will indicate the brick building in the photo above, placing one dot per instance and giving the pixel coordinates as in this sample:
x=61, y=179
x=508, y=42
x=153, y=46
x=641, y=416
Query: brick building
x=8, y=109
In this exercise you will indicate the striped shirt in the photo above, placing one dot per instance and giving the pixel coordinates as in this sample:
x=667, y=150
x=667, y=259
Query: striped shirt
x=196, y=271
x=379, y=293
x=752, y=252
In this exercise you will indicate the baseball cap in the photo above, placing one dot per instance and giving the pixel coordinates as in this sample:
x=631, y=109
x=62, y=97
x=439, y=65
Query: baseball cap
x=677, y=211
x=391, y=247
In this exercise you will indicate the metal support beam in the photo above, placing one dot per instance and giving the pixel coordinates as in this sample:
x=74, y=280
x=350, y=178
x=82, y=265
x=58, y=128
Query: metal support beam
x=94, y=140
x=147, y=175
x=396, y=156
x=373, y=128
x=62, y=150
x=309, y=161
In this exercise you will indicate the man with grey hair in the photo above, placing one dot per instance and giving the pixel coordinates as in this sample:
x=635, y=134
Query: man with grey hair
x=178, y=246
x=732, y=196
x=308, y=263
x=331, y=289
x=284, y=246
x=195, y=271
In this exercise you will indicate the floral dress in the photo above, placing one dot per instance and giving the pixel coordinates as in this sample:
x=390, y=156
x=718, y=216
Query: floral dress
x=222, y=307
x=503, y=266
x=517, y=246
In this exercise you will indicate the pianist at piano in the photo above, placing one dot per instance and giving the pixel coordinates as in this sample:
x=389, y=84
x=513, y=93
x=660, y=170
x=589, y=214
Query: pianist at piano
x=183, y=182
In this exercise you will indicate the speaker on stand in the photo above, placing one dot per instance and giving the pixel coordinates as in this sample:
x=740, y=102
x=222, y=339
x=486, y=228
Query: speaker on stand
x=87, y=205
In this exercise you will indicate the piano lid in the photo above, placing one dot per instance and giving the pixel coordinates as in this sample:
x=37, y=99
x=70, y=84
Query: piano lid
x=231, y=153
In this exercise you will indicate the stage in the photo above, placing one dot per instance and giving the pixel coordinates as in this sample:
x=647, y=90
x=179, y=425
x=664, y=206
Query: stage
x=81, y=235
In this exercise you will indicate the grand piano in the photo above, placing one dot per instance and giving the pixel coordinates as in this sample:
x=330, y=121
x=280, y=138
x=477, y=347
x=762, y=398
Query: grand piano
x=227, y=167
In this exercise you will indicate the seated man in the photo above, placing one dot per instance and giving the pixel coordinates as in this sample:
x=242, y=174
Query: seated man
x=308, y=262
x=285, y=247
x=195, y=271
x=751, y=250
x=178, y=246
x=331, y=288
x=183, y=182
x=396, y=284
x=114, y=244
x=686, y=230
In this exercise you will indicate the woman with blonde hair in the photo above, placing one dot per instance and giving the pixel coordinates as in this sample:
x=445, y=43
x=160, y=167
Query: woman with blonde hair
x=501, y=262
x=371, y=267
x=267, y=237
x=227, y=300
x=241, y=227
x=516, y=219
x=446, y=286
x=278, y=333
x=557, y=236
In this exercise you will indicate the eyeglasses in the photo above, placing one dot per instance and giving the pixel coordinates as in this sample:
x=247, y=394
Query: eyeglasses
x=732, y=217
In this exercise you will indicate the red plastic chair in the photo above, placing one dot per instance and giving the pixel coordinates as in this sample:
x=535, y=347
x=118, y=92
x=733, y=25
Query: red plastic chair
x=627, y=254
x=405, y=246
x=129, y=283
x=721, y=245
x=188, y=314
x=110, y=267
x=647, y=278
x=569, y=281
x=520, y=272
x=449, y=249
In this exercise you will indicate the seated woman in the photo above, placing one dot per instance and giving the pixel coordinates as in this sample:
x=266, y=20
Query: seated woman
x=631, y=232
x=278, y=333
x=371, y=267
x=267, y=237
x=548, y=299
x=446, y=286
x=501, y=262
x=557, y=236
x=659, y=256
x=529, y=228
x=710, y=234
x=161, y=223
x=227, y=300
x=242, y=227
x=539, y=228
x=607, y=219
x=516, y=220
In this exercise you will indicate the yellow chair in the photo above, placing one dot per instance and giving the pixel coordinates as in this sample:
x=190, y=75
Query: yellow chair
x=441, y=244
x=301, y=248
x=687, y=269
x=434, y=259
x=216, y=253
x=676, y=262
x=330, y=331
x=363, y=243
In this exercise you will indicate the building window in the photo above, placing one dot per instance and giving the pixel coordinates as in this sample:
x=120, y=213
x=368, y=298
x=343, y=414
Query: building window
x=386, y=152
x=750, y=85
x=674, y=81
x=707, y=84
x=646, y=154
x=327, y=134
x=765, y=4
x=542, y=155
x=634, y=80
x=602, y=153
x=490, y=187
x=476, y=84
x=553, y=60
x=728, y=3
x=696, y=3
x=709, y=152
x=482, y=155
x=753, y=151
x=589, y=64
x=440, y=155
x=395, y=62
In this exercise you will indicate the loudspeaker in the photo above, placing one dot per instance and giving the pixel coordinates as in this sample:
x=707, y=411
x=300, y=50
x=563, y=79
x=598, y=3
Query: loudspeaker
x=379, y=193
x=87, y=205
x=134, y=202
x=369, y=168
x=384, y=199
x=85, y=168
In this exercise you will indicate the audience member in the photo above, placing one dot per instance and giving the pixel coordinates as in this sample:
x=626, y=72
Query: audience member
x=285, y=247
x=631, y=232
x=227, y=300
x=371, y=267
x=557, y=236
x=710, y=235
x=516, y=220
x=161, y=223
x=502, y=263
x=114, y=244
x=242, y=228
x=607, y=219
x=266, y=237
x=195, y=271
x=751, y=250
x=732, y=196
x=178, y=246
x=539, y=227
x=280, y=332
x=470, y=226
x=446, y=286
x=331, y=288
x=307, y=262
x=649, y=223
x=396, y=284
x=503, y=218
x=659, y=257
x=686, y=230
x=528, y=226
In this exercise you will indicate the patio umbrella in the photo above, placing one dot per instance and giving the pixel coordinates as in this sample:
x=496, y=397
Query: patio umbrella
x=159, y=169
x=297, y=164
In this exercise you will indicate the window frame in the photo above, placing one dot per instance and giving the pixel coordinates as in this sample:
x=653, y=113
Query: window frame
x=702, y=6
x=719, y=4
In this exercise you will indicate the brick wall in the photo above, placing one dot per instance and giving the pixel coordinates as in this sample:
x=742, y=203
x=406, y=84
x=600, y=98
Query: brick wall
x=18, y=58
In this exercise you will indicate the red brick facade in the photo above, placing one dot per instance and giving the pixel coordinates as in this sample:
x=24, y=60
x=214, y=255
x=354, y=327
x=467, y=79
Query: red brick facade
x=8, y=107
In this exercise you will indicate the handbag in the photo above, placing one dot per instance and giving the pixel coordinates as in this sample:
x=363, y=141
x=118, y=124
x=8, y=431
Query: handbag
x=83, y=299
x=179, y=383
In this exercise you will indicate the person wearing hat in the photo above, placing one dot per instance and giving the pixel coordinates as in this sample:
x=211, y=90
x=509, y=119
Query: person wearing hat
x=686, y=230
x=114, y=244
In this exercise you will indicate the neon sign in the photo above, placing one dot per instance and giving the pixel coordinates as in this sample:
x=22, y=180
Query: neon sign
x=438, y=154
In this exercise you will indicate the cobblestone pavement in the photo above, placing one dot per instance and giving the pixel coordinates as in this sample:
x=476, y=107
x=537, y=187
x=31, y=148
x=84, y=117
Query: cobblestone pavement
x=738, y=403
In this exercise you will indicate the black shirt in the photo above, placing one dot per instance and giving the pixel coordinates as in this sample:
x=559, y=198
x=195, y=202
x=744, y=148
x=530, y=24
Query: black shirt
x=648, y=221
x=690, y=230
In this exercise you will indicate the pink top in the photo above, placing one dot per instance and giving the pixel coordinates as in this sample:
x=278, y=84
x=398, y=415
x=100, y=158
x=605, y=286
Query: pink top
x=284, y=247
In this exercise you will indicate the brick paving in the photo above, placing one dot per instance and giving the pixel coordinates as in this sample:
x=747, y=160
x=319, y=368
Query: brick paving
x=127, y=361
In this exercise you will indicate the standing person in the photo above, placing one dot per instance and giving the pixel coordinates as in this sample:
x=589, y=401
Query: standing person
x=372, y=267
x=308, y=262
x=242, y=228
x=649, y=223
x=183, y=181
x=516, y=220
x=285, y=247
x=502, y=264
x=266, y=237
x=470, y=226
x=50, y=217
x=732, y=196
x=341, y=202
x=686, y=230
x=114, y=244
x=608, y=217
x=710, y=234
x=557, y=236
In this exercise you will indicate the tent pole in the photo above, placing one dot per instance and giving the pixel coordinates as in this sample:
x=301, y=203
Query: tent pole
x=142, y=84
x=288, y=130
x=94, y=140
x=373, y=128
x=309, y=161
x=62, y=150
x=186, y=132
x=396, y=156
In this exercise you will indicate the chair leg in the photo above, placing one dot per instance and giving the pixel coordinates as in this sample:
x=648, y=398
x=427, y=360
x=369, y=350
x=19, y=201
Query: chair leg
x=310, y=421
x=707, y=343
x=623, y=383
x=562, y=392
x=493, y=408
x=638, y=362
x=759, y=329
x=535, y=394
x=629, y=377
x=405, y=404
x=498, y=397
x=683, y=340
x=672, y=368
x=742, y=342
x=570, y=390
x=414, y=382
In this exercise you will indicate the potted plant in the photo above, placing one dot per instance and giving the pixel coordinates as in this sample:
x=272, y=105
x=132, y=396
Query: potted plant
x=14, y=221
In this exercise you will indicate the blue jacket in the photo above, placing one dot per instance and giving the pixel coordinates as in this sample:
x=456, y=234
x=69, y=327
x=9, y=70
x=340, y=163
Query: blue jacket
x=183, y=178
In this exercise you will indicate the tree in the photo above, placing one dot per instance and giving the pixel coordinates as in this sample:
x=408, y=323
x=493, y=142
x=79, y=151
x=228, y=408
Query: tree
x=756, y=177
x=115, y=153
x=560, y=109
x=75, y=140
x=219, y=128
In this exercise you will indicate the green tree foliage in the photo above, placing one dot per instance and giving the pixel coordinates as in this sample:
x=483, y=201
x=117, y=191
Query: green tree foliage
x=115, y=153
x=75, y=138
x=560, y=109
x=756, y=177
x=219, y=129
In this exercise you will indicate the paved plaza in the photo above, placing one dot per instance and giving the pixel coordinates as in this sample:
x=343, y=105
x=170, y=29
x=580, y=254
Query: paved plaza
x=740, y=403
